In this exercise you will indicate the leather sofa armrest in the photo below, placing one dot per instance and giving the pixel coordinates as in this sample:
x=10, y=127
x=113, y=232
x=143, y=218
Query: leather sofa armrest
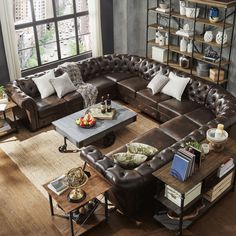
x=111, y=171
x=25, y=102
x=19, y=97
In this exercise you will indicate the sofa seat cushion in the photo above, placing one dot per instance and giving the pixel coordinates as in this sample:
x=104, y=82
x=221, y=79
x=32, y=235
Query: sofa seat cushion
x=50, y=105
x=201, y=115
x=173, y=108
x=74, y=101
x=118, y=76
x=130, y=86
x=145, y=96
x=104, y=86
x=179, y=127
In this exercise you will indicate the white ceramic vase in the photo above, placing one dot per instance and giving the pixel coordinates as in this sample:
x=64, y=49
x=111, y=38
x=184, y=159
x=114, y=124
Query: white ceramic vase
x=182, y=5
x=161, y=40
x=190, y=47
x=183, y=45
x=208, y=36
x=220, y=37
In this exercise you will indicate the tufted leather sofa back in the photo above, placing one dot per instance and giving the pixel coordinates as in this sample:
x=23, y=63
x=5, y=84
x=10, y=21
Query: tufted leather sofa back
x=222, y=104
x=89, y=69
x=197, y=90
x=28, y=86
x=148, y=69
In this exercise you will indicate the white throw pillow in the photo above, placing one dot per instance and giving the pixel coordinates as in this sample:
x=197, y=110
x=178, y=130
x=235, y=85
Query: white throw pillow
x=63, y=85
x=44, y=85
x=175, y=87
x=157, y=83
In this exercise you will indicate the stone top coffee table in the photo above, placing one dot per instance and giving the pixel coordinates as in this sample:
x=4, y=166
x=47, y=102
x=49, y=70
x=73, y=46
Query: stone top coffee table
x=103, y=129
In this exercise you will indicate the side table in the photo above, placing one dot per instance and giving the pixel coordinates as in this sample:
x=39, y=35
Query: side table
x=95, y=186
x=8, y=122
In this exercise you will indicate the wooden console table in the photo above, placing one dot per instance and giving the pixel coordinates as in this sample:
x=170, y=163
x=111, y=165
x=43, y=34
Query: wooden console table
x=95, y=186
x=207, y=174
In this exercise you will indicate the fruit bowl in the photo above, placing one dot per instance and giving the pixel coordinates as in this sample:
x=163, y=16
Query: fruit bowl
x=86, y=121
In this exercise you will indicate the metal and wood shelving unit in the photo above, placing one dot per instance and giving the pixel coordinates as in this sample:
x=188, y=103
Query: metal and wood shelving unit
x=207, y=175
x=227, y=22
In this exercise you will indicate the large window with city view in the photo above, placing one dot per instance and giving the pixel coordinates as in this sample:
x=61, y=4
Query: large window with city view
x=50, y=30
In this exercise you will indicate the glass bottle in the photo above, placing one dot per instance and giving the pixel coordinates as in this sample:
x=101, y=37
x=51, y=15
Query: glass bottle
x=103, y=106
x=108, y=103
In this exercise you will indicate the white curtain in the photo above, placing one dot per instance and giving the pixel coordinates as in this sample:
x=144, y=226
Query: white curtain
x=9, y=38
x=95, y=27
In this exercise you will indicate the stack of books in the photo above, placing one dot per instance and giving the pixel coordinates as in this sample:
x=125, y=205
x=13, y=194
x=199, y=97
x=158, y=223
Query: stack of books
x=219, y=188
x=225, y=167
x=58, y=185
x=183, y=164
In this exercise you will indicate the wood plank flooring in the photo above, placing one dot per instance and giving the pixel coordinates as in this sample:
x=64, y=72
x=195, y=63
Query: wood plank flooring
x=25, y=211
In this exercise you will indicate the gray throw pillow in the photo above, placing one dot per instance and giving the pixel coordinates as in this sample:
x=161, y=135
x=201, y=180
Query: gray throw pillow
x=141, y=148
x=62, y=85
x=128, y=160
x=157, y=83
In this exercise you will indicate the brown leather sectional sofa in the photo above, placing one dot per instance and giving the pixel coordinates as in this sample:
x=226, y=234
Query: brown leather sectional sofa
x=203, y=106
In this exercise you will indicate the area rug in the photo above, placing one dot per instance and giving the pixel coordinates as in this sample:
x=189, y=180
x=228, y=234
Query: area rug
x=37, y=156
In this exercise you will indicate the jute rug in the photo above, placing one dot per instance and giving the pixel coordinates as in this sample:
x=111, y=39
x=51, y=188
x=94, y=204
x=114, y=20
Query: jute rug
x=37, y=156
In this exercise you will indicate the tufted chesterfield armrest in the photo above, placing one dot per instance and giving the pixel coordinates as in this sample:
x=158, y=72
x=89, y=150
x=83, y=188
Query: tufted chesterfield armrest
x=111, y=171
x=24, y=102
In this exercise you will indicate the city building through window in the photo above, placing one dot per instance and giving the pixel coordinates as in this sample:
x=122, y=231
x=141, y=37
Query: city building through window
x=50, y=30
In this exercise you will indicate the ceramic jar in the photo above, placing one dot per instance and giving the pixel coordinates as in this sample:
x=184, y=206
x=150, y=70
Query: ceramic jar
x=182, y=9
x=184, y=62
x=208, y=36
x=214, y=14
x=183, y=45
x=190, y=47
x=220, y=37
x=161, y=40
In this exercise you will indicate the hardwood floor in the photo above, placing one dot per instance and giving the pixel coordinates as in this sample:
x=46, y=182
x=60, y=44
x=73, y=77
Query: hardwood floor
x=25, y=211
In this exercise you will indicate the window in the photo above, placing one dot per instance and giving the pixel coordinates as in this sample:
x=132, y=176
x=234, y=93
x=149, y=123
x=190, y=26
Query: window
x=51, y=30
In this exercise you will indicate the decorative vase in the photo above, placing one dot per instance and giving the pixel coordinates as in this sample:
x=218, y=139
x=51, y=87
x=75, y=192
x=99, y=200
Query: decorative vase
x=214, y=14
x=220, y=38
x=183, y=45
x=161, y=40
x=184, y=62
x=167, y=38
x=190, y=47
x=182, y=5
x=208, y=36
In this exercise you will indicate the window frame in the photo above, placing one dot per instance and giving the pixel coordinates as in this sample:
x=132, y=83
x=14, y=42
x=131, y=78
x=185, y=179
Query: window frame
x=55, y=19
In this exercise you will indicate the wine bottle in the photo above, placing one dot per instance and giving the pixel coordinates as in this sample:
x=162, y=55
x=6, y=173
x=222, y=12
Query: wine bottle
x=103, y=106
x=108, y=103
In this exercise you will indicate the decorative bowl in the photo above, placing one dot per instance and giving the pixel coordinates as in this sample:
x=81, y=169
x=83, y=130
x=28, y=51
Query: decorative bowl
x=163, y=5
x=216, y=143
x=86, y=121
x=190, y=12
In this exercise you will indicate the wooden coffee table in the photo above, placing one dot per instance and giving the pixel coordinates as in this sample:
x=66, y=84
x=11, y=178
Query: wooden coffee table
x=103, y=129
x=95, y=186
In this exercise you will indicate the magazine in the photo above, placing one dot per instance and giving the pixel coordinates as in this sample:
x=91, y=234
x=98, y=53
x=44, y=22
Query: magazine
x=58, y=185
